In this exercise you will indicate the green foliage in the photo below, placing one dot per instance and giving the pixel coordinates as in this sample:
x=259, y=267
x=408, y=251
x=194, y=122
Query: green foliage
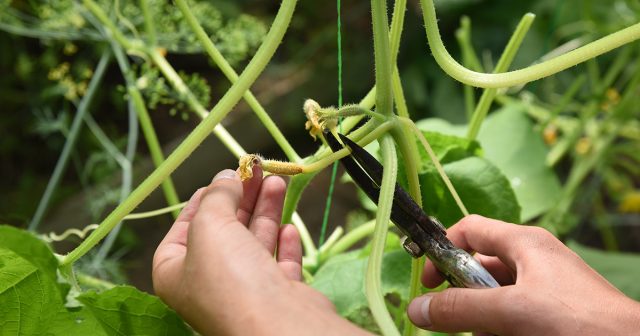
x=26, y=296
x=503, y=175
x=482, y=187
x=341, y=279
x=157, y=91
x=126, y=310
x=621, y=269
x=236, y=36
x=33, y=302
x=510, y=142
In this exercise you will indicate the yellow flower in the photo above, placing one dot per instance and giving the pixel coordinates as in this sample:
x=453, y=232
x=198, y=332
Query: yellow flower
x=630, y=202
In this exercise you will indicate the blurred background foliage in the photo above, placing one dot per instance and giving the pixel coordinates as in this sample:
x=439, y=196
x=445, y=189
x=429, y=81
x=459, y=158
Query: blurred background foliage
x=49, y=50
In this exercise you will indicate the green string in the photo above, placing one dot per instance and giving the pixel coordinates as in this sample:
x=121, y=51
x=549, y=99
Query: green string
x=334, y=167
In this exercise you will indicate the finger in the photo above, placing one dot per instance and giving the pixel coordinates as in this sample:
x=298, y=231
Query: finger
x=490, y=237
x=290, y=252
x=460, y=309
x=504, y=275
x=218, y=208
x=431, y=276
x=250, y=189
x=487, y=236
x=169, y=256
x=265, y=221
x=190, y=209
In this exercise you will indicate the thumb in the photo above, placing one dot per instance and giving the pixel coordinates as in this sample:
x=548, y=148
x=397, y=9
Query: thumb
x=459, y=309
x=218, y=207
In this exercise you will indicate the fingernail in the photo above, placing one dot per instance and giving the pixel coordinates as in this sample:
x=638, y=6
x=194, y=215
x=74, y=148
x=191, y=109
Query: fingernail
x=226, y=174
x=418, y=311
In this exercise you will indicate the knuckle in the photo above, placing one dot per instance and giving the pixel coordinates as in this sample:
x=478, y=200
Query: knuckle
x=471, y=220
x=539, y=237
x=446, y=305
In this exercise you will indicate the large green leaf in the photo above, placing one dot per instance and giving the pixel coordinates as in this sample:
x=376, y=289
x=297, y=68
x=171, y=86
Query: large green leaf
x=29, y=247
x=341, y=279
x=621, y=269
x=124, y=310
x=510, y=142
x=32, y=302
x=483, y=189
x=26, y=296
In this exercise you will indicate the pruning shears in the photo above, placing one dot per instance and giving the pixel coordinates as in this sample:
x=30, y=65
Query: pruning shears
x=425, y=235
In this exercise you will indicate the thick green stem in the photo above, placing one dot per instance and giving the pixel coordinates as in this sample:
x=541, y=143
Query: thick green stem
x=195, y=138
x=72, y=137
x=148, y=23
x=372, y=282
x=111, y=27
x=187, y=95
x=395, y=32
x=469, y=60
x=228, y=71
x=436, y=163
x=503, y=65
x=294, y=191
x=522, y=76
x=384, y=97
x=148, y=130
x=171, y=75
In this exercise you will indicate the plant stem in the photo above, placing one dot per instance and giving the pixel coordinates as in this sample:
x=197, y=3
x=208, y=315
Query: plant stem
x=148, y=130
x=395, y=32
x=72, y=137
x=148, y=23
x=195, y=138
x=438, y=166
x=503, y=65
x=171, y=75
x=372, y=282
x=296, y=186
x=327, y=158
x=187, y=95
x=384, y=97
x=125, y=162
x=469, y=60
x=228, y=71
x=522, y=76
x=111, y=27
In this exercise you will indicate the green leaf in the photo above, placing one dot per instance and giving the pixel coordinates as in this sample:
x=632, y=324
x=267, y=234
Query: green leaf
x=484, y=190
x=621, y=269
x=341, y=279
x=124, y=310
x=32, y=302
x=29, y=247
x=26, y=296
x=448, y=148
x=511, y=143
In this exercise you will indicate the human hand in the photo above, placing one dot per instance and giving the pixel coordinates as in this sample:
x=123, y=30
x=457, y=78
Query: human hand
x=547, y=289
x=215, y=266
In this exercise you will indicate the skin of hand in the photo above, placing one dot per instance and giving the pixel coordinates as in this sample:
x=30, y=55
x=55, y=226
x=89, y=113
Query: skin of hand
x=216, y=265
x=546, y=288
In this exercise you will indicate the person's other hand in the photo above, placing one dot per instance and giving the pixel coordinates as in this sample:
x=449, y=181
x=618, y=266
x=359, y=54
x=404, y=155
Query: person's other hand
x=216, y=268
x=547, y=289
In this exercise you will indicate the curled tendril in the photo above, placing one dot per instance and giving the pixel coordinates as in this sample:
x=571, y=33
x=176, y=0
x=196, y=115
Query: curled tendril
x=53, y=237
